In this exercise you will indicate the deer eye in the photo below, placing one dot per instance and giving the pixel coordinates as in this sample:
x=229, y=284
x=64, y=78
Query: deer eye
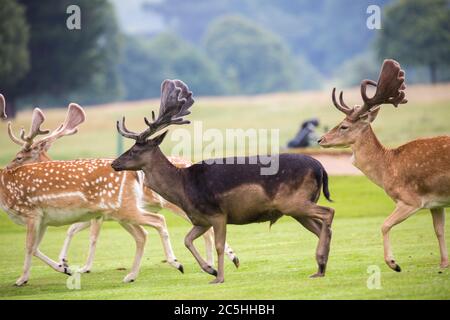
x=343, y=127
x=19, y=158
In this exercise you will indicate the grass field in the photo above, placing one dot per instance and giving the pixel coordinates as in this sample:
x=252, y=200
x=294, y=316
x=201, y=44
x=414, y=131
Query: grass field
x=276, y=263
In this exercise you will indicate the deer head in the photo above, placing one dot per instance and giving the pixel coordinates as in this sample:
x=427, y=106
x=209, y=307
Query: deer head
x=36, y=151
x=389, y=90
x=176, y=99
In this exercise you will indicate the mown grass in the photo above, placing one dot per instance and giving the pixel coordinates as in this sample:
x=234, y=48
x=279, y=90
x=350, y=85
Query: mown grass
x=275, y=264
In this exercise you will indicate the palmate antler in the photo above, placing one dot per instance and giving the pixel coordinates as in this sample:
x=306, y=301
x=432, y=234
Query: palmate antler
x=26, y=141
x=75, y=116
x=389, y=90
x=176, y=99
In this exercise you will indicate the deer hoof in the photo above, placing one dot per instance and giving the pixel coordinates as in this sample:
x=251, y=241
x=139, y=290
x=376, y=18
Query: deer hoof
x=210, y=270
x=67, y=271
x=130, y=278
x=444, y=264
x=217, y=281
x=64, y=263
x=20, y=283
x=317, y=275
x=393, y=265
x=236, y=262
x=85, y=270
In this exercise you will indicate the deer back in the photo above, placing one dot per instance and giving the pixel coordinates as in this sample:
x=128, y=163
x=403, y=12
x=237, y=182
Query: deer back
x=68, y=186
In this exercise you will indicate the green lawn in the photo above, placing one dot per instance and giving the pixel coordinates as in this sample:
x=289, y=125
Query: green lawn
x=275, y=264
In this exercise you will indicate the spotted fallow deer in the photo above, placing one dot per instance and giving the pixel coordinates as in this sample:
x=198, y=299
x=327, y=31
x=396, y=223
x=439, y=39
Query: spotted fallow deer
x=54, y=193
x=415, y=175
x=214, y=194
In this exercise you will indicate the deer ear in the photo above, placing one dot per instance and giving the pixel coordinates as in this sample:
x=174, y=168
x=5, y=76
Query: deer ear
x=370, y=116
x=157, y=141
x=45, y=146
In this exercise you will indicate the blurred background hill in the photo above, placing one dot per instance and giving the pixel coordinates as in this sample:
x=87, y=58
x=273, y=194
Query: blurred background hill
x=238, y=47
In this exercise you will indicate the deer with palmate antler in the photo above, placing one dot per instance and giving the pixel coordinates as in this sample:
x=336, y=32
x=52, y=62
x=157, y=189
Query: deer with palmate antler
x=415, y=175
x=54, y=193
x=217, y=193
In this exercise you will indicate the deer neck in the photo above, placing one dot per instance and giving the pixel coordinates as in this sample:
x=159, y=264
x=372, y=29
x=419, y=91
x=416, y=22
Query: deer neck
x=164, y=178
x=369, y=156
x=44, y=157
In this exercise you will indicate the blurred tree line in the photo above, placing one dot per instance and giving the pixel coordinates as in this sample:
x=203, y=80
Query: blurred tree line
x=218, y=47
x=42, y=61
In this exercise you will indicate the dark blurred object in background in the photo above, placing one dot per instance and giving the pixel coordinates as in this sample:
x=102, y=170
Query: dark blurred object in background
x=306, y=136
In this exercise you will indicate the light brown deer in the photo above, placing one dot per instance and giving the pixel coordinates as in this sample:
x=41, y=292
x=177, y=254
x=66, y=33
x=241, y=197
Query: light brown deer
x=54, y=193
x=415, y=175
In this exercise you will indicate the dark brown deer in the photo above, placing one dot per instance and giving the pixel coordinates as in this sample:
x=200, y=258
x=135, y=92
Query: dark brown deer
x=214, y=194
x=415, y=175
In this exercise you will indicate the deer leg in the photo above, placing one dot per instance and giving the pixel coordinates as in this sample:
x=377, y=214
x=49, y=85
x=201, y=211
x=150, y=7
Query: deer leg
x=209, y=245
x=33, y=228
x=231, y=255
x=307, y=216
x=208, y=237
x=323, y=249
x=73, y=229
x=38, y=254
x=140, y=236
x=438, y=215
x=96, y=225
x=220, y=233
x=193, y=234
x=158, y=222
x=401, y=213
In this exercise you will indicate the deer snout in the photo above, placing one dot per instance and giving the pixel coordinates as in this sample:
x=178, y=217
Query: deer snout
x=116, y=166
x=323, y=142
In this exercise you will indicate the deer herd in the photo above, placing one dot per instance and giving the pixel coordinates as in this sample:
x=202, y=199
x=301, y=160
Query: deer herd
x=37, y=192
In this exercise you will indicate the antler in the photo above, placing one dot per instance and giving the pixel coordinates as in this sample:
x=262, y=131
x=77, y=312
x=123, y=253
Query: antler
x=74, y=117
x=390, y=87
x=390, y=90
x=26, y=141
x=342, y=107
x=176, y=99
x=2, y=107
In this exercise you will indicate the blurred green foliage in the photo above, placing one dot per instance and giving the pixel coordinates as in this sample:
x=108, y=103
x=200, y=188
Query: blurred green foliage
x=251, y=58
x=417, y=32
x=14, y=56
x=146, y=62
x=219, y=48
x=63, y=63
